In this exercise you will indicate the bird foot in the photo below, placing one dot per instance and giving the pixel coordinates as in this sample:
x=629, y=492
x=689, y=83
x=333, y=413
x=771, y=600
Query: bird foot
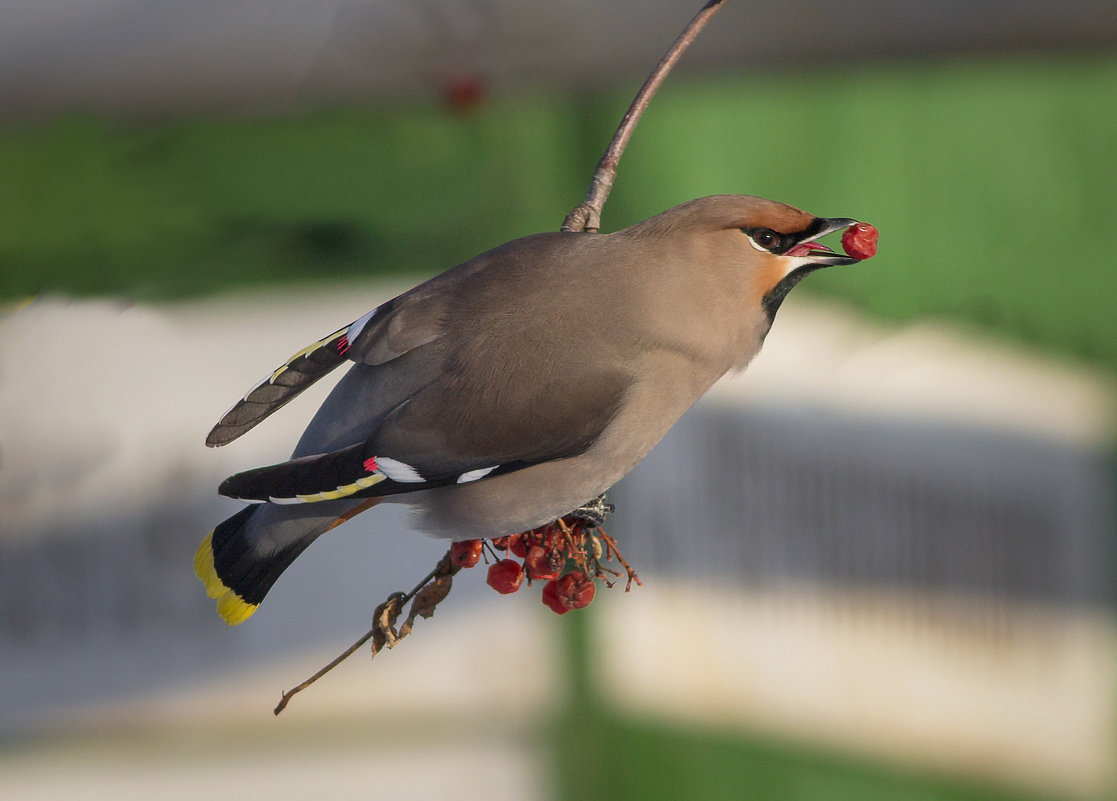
x=594, y=512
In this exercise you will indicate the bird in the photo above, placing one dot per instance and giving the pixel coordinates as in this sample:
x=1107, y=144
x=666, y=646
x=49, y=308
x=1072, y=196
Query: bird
x=516, y=386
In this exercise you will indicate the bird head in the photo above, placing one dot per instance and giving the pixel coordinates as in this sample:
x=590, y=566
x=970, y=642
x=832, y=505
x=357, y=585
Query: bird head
x=789, y=250
x=761, y=246
x=725, y=263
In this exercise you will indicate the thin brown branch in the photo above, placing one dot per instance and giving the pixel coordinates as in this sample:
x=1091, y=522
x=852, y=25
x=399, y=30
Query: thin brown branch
x=445, y=567
x=286, y=696
x=586, y=216
x=613, y=551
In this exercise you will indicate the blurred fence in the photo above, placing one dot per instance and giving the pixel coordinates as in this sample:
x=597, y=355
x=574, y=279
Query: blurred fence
x=917, y=590
x=769, y=495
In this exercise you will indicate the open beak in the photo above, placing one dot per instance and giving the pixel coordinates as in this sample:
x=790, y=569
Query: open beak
x=806, y=256
x=812, y=253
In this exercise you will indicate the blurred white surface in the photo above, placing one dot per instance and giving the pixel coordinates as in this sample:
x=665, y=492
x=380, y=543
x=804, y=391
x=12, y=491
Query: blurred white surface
x=454, y=711
x=364, y=767
x=1017, y=694
x=822, y=354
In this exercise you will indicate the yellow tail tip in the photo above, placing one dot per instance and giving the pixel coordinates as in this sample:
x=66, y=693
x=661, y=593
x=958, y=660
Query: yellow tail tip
x=205, y=570
x=233, y=609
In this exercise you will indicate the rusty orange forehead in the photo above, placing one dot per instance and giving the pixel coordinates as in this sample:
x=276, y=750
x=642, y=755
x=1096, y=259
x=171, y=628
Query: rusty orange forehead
x=780, y=217
x=718, y=212
x=745, y=211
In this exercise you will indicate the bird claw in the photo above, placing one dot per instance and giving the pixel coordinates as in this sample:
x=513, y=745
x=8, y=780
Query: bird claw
x=594, y=512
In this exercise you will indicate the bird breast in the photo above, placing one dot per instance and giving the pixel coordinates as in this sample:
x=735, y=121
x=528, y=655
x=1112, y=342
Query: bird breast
x=528, y=498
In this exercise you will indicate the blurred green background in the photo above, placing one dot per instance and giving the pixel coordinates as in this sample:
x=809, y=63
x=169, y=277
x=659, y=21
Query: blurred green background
x=991, y=180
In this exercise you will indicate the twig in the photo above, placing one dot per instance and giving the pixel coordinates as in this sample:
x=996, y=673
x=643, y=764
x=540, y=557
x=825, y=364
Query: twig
x=611, y=545
x=444, y=568
x=586, y=216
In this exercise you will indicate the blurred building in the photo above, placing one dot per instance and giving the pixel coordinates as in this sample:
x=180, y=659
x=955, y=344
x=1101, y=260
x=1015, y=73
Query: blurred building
x=164, y=56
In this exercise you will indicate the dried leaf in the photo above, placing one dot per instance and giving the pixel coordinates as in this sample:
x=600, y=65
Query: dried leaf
x=431, y=596
x=384, y=621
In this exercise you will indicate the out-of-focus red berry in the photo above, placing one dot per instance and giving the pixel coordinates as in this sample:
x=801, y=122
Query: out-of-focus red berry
x=860, y=240
x=464, y=93
x=551, y=598
x=543, y=563
x=465, y=553
x=517, y=543
x=576, y=590
x=505, y=576
x=500, y=543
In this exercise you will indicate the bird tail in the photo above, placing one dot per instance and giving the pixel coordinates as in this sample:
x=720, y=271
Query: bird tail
x=240, y=560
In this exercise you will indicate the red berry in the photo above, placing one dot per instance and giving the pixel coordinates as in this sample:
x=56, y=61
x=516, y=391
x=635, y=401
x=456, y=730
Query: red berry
x=551, y=598
x=500, y=543
x=464, y=93
x=576, y=590
x=543, y=563
x=860, y=241
x=465, y=553
x=505, y=576
x=517, y=544
x=543, y=535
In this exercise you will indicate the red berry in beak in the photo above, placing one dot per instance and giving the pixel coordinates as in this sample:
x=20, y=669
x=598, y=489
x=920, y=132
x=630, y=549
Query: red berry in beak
x=860, y=241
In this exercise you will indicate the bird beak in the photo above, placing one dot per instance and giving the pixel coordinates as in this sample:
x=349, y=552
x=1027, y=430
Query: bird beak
x=810, y=253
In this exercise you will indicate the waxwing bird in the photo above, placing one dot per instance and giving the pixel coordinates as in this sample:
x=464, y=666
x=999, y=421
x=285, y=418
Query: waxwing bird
x=515, y=387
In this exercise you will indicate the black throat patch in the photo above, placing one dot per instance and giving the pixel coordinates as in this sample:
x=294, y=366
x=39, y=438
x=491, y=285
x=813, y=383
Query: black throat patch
x=774, y=297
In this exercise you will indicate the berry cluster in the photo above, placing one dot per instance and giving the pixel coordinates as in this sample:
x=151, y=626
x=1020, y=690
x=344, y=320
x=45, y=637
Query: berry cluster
x=567, y=554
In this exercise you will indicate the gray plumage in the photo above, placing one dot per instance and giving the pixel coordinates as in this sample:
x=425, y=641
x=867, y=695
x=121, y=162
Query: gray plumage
x=557, y=361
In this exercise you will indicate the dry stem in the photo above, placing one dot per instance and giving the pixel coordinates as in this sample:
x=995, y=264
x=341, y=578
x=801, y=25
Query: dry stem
x=612, y=551
x=586, y=216
x=383, y=620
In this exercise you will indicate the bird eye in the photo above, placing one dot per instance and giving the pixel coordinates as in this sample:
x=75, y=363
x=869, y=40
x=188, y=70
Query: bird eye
x=764, y=238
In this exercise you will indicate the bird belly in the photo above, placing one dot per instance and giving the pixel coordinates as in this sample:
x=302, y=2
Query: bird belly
x=536, y=495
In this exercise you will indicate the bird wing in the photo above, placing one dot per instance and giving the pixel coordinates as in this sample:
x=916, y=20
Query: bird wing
x=477, y=372
x=465, y=425
x=386, y=332
x=432, y=440
x=352, y=472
